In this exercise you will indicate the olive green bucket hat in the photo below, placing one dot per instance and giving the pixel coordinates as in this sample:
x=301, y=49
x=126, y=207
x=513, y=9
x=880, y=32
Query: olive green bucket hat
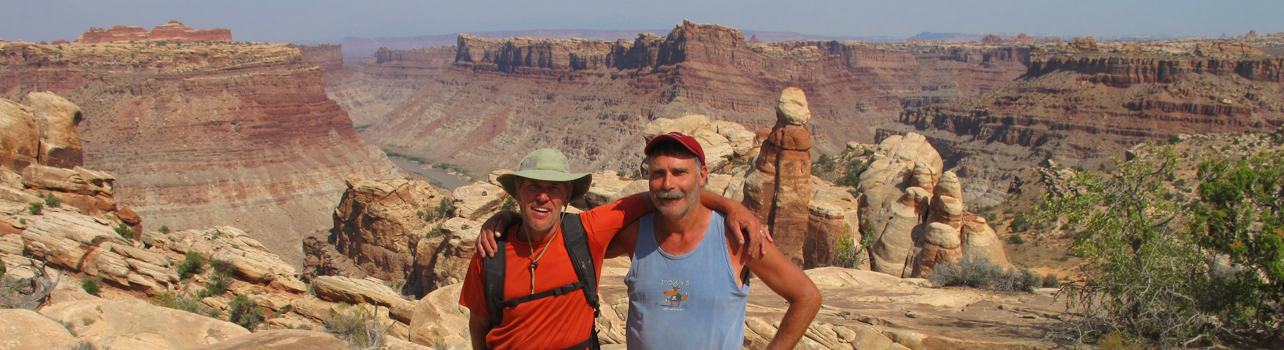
x=547, y=164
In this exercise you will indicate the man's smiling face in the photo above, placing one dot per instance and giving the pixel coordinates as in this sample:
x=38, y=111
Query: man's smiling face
x=542, y=203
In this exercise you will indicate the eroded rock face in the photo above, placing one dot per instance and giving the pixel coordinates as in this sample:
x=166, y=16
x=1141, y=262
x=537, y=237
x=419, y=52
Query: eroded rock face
x=19, y=136
x=173, y=30
x=57, y=120
x=780, y=182
x=609, y=90
x=916, y=211
x=439, y=318
x=379, y=223
x=203, y=134
x=252, y=261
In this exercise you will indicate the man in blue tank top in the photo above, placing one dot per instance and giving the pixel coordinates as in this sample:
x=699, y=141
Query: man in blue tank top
x=687, y=285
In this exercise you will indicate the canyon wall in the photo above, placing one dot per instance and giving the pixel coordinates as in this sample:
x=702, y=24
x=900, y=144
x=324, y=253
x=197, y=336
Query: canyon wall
x=1080, y=106
x=204, y=134
x=170, y=31
x=499, y=98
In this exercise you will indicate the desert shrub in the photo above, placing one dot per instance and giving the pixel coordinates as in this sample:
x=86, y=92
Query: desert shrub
x=244, y=312
x=35, y=208
x=222, y=268
x=851, y=174
x=214, y=287
x=848, y=253
x=2, y=269
x=357, y=325
x=1143, y=276
x=442, y=211
x=1051, y=281
x=193, y=263
x=824, y=164
x=82, y=345
x=1032, y=280
x=1020, y=223
x=977, y=272
x=509, y=204
x=178, y=302
x=90, y=285
x=51, y=201
x=1016, y=238
x=164, y=229
x=124, y=231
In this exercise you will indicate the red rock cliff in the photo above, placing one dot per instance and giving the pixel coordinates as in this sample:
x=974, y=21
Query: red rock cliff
x=204, y=134
x=590, y=98
x=170, y=31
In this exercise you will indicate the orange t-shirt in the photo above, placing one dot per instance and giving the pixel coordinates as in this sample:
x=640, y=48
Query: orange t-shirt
x=555, y=322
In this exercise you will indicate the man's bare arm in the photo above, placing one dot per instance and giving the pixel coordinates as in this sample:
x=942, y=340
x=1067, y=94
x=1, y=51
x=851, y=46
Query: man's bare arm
x=478, y=326
x=788, y=281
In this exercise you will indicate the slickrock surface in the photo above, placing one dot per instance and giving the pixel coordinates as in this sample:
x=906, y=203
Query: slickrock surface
x=173, y=30
x=137, y=324
x=1085, y=101
x=498, y=98
x=201, y=134
x=25, y=329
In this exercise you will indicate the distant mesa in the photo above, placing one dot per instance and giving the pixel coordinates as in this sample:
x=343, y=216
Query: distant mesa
x=173, y=30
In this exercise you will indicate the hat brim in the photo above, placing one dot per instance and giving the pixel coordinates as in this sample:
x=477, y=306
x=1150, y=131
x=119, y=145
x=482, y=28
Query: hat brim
x=579, y=182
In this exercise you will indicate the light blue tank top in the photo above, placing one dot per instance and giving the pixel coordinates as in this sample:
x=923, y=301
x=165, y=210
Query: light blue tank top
x=689, y=301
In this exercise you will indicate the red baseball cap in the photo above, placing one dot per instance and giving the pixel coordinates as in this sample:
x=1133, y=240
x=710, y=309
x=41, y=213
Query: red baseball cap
x=687, y=141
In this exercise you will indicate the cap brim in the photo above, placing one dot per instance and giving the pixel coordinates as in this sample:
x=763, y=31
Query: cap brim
x=580, y=181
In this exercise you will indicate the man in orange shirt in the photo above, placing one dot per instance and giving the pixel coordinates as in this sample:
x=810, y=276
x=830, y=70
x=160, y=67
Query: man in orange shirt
x=546, y=303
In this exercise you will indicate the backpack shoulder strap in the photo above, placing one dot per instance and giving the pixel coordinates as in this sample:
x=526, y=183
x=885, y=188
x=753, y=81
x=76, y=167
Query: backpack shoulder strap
x=577, y=247
x=493, y=269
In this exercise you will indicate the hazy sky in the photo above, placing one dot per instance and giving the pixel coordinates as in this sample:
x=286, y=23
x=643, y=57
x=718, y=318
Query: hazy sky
x=315, y=21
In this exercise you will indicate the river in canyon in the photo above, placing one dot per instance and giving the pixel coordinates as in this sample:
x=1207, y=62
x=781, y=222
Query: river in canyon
x=447, y=180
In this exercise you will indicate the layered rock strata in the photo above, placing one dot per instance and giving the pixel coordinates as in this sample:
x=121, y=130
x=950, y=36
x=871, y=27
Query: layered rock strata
x=200, y=134
x=780, y=182
x=173, y=30
x=1088, y=101
x=502, y=96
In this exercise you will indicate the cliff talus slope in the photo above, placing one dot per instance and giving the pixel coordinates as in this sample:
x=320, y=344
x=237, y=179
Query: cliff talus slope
x=202, y=134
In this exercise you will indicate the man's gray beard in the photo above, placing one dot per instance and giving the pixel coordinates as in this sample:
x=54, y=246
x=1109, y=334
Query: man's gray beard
x=674, y=194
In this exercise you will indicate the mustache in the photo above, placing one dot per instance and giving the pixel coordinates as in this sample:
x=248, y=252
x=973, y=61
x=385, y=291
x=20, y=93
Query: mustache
x=673, y=194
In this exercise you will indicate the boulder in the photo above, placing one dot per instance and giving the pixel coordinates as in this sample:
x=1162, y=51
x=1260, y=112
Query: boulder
x=57, y=120
x=439, y=319
x=129, y=324
x=378, y=224
x=26, y=329
x=792, y=107
x=605, y=188
x=832, y=222
x=355, y=291
x=478, y=200
x=980, y=240
x=941, y=244
x=19, y=136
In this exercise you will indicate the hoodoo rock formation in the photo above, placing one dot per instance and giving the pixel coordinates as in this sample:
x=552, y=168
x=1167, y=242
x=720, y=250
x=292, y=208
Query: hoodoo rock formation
x=780, y=183
x=587, y=95
x=200, y=134
x=915, y=211
x=173, y=30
